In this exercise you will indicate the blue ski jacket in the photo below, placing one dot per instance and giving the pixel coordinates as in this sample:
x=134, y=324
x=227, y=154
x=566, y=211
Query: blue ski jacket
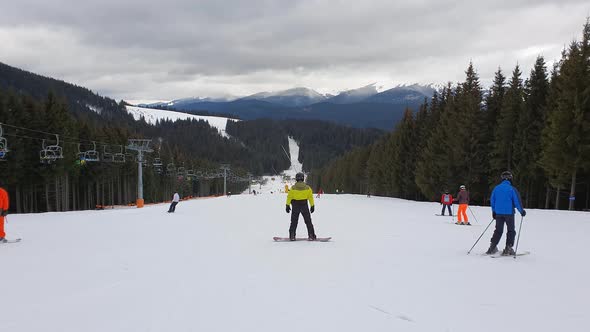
x=505, y=198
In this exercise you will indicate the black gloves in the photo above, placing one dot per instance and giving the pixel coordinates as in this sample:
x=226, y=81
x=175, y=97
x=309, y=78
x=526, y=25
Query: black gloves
x=288, y=209
x=3, y=212
x=523, y=213
x=493, y=214
x=312, y=209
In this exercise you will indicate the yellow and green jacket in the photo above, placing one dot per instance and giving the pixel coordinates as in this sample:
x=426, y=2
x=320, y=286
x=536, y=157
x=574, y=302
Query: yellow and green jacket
x=300, y=192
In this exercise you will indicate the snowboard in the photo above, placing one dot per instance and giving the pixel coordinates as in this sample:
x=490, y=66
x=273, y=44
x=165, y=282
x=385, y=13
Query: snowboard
x=11, y=241
x=286, y=239
x=440, y=215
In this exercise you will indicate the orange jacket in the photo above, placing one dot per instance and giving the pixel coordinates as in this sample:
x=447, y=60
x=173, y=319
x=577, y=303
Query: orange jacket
x=4, y=203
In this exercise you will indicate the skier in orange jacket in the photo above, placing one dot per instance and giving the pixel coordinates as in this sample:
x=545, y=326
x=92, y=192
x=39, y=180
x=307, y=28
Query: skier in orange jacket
x=4, y=205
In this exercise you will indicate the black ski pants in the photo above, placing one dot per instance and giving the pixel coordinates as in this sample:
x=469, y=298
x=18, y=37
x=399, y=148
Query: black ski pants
x=502, y=219
x=172, y=207
x=300, y=206
x=443, y=209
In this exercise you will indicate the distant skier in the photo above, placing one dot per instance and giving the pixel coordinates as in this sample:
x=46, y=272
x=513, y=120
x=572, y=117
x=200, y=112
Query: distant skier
x=298, y=196
x=505, y=198
x=446, y=200
x=175, y=200
x=463, y=200
x=4, y=206
x=320, y=193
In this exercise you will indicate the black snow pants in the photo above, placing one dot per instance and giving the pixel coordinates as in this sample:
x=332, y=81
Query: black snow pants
x=300, y=206
x=443, y=209
x=172, y=207
x=502, y=219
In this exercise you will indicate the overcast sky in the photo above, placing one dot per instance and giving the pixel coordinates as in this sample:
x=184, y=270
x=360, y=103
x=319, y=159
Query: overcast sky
x=148, y=49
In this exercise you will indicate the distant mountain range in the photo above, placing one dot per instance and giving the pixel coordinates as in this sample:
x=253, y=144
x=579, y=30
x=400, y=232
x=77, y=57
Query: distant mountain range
x=362, y=107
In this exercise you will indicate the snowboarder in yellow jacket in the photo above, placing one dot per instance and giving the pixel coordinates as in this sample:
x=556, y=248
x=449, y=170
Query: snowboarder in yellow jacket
x=298, y=196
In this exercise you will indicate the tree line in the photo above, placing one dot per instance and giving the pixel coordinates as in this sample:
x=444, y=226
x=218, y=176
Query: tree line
x=319, y=142
x=538, y=127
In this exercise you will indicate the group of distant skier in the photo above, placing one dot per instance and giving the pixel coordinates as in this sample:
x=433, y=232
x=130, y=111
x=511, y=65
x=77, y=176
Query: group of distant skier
x=447, y=201
x=505, y=198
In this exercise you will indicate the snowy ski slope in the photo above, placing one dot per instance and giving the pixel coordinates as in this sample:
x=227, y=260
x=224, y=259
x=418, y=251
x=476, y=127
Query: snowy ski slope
x=391, y=266
x=152, y=115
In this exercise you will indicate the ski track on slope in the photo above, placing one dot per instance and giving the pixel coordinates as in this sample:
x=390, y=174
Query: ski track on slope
x=274, y=183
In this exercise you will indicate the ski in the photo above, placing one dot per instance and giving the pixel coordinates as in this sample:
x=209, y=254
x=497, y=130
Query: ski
x=11, y=241
x=498, y=255
x=286, y=239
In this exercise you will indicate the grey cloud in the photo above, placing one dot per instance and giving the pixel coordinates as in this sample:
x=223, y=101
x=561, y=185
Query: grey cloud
x=178, y=48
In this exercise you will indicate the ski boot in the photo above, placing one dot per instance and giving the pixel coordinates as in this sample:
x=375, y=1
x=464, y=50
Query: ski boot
x=292, y=236
x=3, y=240
x=493, y=249
x=508, y=251
x=459, y=223
x=468, y=223
x=312, y=238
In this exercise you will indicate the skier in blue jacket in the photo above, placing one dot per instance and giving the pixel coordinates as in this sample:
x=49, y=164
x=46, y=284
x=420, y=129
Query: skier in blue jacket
x=505, y=198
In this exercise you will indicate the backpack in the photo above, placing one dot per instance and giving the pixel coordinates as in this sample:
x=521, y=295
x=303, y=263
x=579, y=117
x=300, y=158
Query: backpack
x=447, y=198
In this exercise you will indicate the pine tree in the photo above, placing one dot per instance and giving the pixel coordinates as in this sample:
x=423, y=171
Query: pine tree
x=567, y=137
x=504, y=139
x=528, y=136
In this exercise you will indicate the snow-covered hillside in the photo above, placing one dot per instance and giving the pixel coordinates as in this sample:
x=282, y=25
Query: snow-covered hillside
x=275, y=183
x=152, y=115
x=391, y=266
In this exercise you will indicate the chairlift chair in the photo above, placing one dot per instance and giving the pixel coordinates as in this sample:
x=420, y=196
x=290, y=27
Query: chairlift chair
x=107, y=156
x=170, y=169
x=3, y=146
x=50, y=153
x=119, y=157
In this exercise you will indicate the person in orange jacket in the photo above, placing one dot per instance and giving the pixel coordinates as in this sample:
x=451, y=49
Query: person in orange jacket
x=4, y=205
x=463, y=200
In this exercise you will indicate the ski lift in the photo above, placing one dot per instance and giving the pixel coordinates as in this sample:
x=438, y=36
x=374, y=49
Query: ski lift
x=180, y=172
x=88, y=155
x=50, y=153
x=107, y=156
x=170, y=169
x=158, y=166
x=190, y=175
x=113, y=157
x=119, y=157
x=3, y=146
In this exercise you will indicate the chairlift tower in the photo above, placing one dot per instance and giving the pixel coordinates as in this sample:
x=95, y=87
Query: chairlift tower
x=224, y=168
x=141, y=146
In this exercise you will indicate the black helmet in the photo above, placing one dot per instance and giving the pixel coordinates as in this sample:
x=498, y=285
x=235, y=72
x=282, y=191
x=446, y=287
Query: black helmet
x=446, y=191
x=506, y=175
x=299, y=177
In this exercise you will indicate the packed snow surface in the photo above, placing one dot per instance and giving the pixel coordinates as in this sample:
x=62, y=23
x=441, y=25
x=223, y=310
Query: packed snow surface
x=392, y=265
x=152, y=115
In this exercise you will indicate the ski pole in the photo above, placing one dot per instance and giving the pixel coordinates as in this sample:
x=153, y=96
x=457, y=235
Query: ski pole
x=452, y=213
x=473, y=214
x=484, y=231
x=518, y=238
